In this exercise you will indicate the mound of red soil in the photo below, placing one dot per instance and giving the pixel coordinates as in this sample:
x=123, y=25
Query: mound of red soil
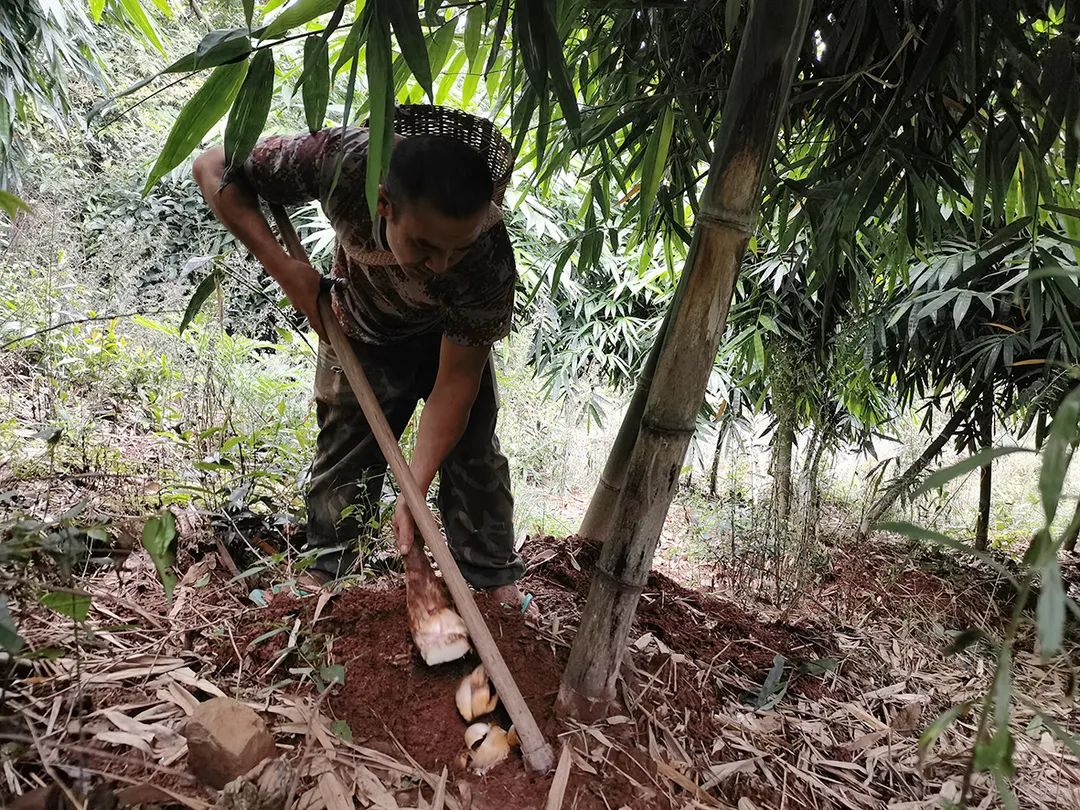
x=690, y=622
x=389, y=688
x=390, y=697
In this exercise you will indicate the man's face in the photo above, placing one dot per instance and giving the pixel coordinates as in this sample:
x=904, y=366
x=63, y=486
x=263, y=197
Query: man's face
x=425, y=241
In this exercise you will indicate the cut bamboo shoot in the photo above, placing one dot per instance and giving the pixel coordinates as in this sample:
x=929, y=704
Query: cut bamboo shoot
x=438, y=632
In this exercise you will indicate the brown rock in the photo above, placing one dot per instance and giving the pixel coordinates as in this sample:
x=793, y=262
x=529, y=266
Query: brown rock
x=225, y=740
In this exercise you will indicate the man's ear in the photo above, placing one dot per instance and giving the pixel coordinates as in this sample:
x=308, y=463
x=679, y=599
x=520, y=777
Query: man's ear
x=383, y=206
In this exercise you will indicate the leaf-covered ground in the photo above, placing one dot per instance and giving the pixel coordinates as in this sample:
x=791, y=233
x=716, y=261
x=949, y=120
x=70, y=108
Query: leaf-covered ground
x=724, y=703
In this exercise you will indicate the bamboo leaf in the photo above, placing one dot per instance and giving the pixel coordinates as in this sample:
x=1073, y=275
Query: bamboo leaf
x=497, y=37
x=1070, y=742
x=771, y=691
x=560, y=75
x=474, y=25
x=441, y=44
x=450, y=77
x=205, y=109
x=1061, y=209
x=350, y=48
x=468, y=87
x=731, y=18
x=543, y=127
x=1057, y=453
x=964, y=639
x=381, y=87
x=315, y=89
x=10, y=639
x=249, y=11
x=556, y=274
x=252, y=106
x=1050, y=611
x=995, y=753
x=96, y=7
x=198, y=298
x=1003, y=689
x=652, y=165
x=159, y=540
x=1054, y=272
x=960, y=307
x=983, y=458
x=405, y=20
x=11, y=205
x=300, y=12
x=528, y=37
x=75, y=606
x=943, y=721
x=216, y=48
x=134, y=11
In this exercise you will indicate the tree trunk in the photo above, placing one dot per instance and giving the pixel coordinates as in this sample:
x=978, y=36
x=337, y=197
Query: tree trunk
x=784, y=440
x=986, y=431
x=907, y=479
x=1069, y=541
x=814, y=451
x=755, y=102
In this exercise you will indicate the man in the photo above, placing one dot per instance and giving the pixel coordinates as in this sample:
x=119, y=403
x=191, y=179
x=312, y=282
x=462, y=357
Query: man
x=424, y=288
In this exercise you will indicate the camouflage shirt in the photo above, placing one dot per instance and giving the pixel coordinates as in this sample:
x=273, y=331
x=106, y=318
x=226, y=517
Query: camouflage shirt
x=472, y=302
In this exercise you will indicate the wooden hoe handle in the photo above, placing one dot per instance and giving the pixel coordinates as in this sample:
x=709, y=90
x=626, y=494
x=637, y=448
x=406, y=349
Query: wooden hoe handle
x=537, y=753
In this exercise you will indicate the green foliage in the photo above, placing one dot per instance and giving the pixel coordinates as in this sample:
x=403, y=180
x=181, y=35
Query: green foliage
x=983, y=458
x=248, y=116
x=205, y=109
x=342, y=730
x=208, y=285
x=1058, y=453
x=9, y=637
x=333, y=675
x=74, y=605
x=159, y=540
x=995, y=745
x=380, y=87
x=217, y=48
x=11, y=205
x=316, y=82
x=43, y=47
x=135, y=12
x=941, y=724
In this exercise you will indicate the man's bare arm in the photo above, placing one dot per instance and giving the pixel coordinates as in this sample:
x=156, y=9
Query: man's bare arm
x=443, y=422
x=237, y=208
x=446, y=412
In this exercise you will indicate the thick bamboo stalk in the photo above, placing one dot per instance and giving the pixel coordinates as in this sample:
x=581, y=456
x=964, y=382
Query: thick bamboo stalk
x=537, y=753
x=757, y=98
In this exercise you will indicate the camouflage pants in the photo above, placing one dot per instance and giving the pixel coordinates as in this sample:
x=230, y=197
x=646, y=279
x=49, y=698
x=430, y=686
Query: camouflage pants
x=347, y=473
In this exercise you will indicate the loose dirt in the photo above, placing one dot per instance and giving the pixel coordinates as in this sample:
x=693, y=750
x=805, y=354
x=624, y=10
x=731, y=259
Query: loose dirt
x=392, y=700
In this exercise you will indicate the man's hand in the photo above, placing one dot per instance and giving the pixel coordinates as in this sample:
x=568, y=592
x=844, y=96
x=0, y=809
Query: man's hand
x=301, y=284
x=404, y=527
